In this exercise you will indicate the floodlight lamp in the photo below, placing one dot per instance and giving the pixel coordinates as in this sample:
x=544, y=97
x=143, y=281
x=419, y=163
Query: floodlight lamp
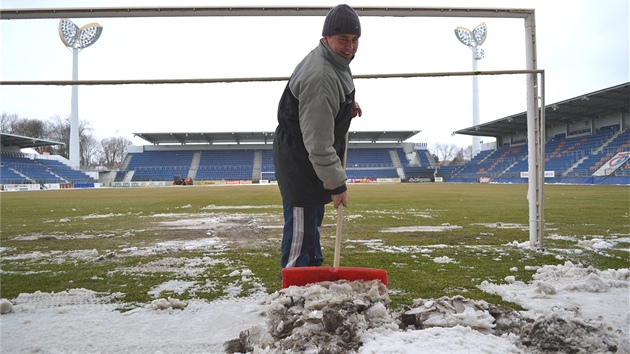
x=480, y=33
x=68, y=32
x=464, y=35
x=472, y=38
x=89, y=34
x=479, y=53
x=73, y=36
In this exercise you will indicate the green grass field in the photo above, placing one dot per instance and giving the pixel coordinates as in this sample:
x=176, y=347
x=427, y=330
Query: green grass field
x=456, y=236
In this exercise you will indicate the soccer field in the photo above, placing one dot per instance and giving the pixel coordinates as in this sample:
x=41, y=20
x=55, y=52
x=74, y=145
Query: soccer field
x=209, y=242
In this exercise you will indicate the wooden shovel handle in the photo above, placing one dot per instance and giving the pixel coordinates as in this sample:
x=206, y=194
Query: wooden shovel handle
x=340, y=215
x=338, y=236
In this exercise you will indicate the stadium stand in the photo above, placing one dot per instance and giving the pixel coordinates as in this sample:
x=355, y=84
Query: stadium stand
x=160, y=165
x=593, y=150
x=19, y=169
x=9, y=176
x=226, y=165
x=66, y=172
x=375, y=158
x=620, y=142
x=268, y=171
x=576, y=157
x=425, y=158
x=491, y=163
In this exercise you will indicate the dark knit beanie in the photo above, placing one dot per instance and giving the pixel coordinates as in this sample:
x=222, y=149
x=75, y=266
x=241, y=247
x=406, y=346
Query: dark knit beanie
x=342, y=19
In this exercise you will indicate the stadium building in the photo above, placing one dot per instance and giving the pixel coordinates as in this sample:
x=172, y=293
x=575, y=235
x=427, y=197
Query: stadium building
x=587, y=142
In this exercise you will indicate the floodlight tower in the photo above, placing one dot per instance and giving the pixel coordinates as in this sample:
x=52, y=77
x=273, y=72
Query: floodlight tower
x=474, y=39
x=77, y=39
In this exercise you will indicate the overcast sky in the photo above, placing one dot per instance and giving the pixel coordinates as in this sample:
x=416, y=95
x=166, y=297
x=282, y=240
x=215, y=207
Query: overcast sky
x=583, y=48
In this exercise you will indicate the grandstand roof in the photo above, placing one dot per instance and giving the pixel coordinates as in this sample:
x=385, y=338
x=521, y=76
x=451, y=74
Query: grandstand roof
x=615, y=99
x=261, y=137
x=11, y=140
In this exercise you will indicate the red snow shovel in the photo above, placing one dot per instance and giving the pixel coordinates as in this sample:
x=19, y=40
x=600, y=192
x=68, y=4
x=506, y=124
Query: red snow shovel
x=300, y=276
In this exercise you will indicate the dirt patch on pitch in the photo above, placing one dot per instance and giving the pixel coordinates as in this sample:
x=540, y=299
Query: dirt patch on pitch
x=242, y=230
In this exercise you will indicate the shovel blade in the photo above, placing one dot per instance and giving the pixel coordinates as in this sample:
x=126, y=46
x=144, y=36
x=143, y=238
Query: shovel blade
x=300, y=276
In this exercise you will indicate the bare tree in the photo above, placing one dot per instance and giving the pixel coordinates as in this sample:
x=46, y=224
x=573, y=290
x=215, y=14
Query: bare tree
x=13, y=124
x=89, y=148
x=468, y=153
x=8, y=122
x=58, y=129
x=463, y=156
x=113, y=150
x=109, y=151
x=460, y=157
x=445, y=152
x=33, y=128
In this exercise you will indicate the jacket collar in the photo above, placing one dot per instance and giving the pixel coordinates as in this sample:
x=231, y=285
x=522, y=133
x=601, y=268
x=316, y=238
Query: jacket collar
x=334, y=57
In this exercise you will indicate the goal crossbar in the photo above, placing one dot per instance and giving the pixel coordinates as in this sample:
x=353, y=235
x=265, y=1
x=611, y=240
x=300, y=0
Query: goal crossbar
x=254, y=79
x=267, y=11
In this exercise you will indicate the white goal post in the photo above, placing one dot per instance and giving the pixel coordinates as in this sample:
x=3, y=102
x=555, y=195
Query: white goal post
x=534, y=78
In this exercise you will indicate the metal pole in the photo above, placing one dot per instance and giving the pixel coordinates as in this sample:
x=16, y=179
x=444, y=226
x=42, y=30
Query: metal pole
x=197, y=11
x=475, y=89
x=73, y=151
x=535, y=142
x=253, y=79
x=540, y=206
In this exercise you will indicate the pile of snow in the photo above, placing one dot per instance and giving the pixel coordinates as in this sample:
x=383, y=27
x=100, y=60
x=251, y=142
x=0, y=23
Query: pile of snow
x=326, y=317
x=346, y=317
x=572, y=308
x=78, y=322
x=568, y=309
x=5, y=306
x=168, y=303
x=459, y=311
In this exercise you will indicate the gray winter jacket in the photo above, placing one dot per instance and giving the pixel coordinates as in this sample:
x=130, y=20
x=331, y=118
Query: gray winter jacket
x=314, y=116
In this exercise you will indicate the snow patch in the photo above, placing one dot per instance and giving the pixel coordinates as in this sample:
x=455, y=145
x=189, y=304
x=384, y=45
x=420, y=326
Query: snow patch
x=421, y=228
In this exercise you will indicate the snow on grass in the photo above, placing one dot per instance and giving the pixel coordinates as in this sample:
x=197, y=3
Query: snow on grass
x=568, y=307
x=440, y=228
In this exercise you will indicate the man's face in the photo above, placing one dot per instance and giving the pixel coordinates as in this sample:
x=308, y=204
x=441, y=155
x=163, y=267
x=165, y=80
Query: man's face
x=343, y=44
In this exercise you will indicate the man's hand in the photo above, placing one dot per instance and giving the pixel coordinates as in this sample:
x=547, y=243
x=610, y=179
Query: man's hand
x=340, y=199
x=357, y=110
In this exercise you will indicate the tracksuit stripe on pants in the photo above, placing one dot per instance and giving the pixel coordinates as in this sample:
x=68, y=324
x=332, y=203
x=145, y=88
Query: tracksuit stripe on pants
x=298, y=236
